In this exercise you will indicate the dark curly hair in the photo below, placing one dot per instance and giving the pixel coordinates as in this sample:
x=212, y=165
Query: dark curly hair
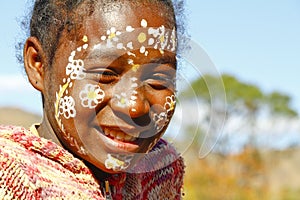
x=50, y=17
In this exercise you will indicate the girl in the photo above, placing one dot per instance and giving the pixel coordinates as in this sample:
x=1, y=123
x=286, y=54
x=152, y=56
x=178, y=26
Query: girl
x=106, y=71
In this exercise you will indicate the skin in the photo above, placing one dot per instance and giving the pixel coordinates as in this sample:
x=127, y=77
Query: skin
x=146, y=79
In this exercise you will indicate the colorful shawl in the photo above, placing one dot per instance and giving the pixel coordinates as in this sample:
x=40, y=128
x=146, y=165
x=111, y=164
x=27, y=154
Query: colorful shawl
x=32, y=167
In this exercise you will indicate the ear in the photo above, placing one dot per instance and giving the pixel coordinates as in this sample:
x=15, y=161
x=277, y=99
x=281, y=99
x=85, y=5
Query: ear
x=34, y=62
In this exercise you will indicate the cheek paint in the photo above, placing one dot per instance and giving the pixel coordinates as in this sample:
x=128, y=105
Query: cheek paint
x=64, y=104
x=91, y=96
x=67, y=107
x=160, y=121
x=122, y=100
x=127, y=99
x=170, y=104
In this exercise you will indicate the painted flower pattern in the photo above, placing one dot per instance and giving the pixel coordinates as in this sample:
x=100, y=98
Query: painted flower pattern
x=160, y=39
x=67, y=107
x=75, y=70
x=160, y=120
x=91, y=96
x=112, y=36
x=170, y=104
x=123, y=100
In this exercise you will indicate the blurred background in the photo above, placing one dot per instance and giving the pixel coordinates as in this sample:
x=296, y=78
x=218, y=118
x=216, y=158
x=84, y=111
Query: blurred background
x=247, y=147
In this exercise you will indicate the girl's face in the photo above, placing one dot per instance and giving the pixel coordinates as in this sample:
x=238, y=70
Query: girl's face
x=111, y=92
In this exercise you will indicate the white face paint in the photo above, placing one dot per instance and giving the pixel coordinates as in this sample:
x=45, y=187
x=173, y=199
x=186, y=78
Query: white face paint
x=65, y=105
x=118, y=162
x=91, y=96
x=161, y=119
x=170, y=104
x=158, y=38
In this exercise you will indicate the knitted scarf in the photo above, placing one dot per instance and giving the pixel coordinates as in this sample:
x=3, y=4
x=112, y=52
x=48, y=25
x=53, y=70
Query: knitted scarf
x=32, y=167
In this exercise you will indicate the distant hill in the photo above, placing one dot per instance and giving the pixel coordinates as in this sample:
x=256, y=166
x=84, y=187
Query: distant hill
x=15, y=116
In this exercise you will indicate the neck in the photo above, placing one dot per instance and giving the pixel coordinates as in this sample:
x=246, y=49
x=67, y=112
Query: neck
x=46, y=131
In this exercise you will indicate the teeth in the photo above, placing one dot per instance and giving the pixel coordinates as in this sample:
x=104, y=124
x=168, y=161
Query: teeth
x=121, y=135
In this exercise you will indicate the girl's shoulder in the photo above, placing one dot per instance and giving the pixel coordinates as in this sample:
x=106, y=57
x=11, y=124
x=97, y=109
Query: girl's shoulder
x=32, y=167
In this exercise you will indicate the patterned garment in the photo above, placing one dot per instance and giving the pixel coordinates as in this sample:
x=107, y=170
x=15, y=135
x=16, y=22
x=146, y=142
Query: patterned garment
x=32, y=167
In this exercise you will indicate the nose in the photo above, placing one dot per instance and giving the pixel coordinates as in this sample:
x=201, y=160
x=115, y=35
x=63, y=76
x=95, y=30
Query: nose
x=130, y=103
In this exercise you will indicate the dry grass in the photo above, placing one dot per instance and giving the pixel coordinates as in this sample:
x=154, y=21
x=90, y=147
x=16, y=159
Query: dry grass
x=15, y=116
x=250, y=175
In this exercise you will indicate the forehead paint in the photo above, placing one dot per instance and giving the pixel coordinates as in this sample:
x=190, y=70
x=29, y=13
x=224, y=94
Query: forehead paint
x=111, y=37
x=158, y=38
x=144, y=23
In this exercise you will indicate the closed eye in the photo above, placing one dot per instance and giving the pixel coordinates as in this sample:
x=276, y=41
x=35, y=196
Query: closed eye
x=161, y=81
x=102, y=75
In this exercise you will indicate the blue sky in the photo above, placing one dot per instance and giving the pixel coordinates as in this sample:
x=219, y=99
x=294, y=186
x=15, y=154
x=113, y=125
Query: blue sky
x=258, y=41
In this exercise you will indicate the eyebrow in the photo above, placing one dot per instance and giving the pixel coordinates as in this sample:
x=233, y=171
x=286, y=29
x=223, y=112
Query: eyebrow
x=103, y=54
x=164, y=60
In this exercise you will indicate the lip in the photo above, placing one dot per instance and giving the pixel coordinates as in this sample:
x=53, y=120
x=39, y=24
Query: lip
x=115, y=145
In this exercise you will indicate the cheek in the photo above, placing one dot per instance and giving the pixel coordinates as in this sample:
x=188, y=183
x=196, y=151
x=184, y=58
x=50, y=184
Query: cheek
x=65, y=100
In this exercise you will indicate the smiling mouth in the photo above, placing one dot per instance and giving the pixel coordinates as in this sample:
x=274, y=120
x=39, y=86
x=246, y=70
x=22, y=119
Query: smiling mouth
x=118, y=134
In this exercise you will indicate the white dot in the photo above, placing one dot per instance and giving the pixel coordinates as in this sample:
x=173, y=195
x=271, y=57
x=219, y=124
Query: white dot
x=103, y=38
x=71, y=58
x=113, y=30
x=144, y=23
x=130, y=62
x=130, y=45
x=85, y=46
x=142, y=49
x=151, y=41
x=120, y=46
x=129, y=29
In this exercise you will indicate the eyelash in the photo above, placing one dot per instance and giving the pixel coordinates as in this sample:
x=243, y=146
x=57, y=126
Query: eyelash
x=161, y=81
x=102, y=76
